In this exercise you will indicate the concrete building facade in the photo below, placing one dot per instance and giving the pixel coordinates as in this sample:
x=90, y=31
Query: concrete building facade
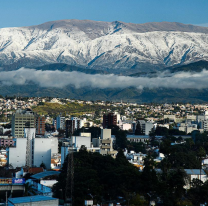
x=20, y=120
x=16, y=156
x=60, y=122
x=146, y=126
x=71, y=125
x=105, y=143
x=40, y=125
x=42, y=152
x=109, y=120
x=31, y=151
x=6, y=142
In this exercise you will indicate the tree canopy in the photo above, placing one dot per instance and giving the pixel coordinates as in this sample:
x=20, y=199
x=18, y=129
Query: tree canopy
x=102, y=177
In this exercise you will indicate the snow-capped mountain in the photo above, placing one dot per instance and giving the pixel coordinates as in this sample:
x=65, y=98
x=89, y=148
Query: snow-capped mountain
x=103, y=45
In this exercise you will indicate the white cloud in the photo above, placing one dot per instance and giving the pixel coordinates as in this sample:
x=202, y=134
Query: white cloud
x=59, y=79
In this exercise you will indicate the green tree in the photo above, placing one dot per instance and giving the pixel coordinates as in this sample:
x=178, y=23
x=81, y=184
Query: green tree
x=198, y=192
x=97, y=113
x=138, y=201
x=161, y=131
x=138, y=130
x=29, y=190
x=171, y=187
x=120, y=158
x=149, y=177
x=121, y=140
x=103, y=177
x=136, y=146
x=43, y=165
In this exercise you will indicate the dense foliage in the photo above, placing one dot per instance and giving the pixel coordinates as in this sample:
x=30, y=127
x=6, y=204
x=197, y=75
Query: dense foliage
x=163, y=131
x=102, y=177
x=95, y=131
x=105, y=179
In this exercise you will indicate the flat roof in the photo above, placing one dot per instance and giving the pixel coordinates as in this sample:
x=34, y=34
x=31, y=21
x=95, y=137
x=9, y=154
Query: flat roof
x=138, y=136
x=194, y=172
x=183, y=136
x=45, y=174
x=37, y=198
x=188, y=171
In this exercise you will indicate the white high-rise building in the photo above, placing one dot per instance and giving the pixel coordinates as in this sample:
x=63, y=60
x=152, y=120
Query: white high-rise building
x=147, y=126
x=16, y=156
x=42, y=152
x=75, y=144
x=60, y=122
x=31, y=151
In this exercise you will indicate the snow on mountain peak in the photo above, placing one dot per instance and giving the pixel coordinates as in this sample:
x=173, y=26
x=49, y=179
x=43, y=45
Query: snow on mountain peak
x=92, y=44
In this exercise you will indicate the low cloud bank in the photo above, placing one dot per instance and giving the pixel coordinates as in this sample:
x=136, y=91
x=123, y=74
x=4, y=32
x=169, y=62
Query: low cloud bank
x=59, y=79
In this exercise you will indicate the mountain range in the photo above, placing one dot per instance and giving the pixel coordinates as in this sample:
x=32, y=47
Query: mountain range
x=115, y=47
x=84, y=50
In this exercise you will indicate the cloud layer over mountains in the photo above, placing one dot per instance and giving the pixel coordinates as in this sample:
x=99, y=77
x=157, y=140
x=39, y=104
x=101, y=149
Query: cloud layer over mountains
x=59, y=79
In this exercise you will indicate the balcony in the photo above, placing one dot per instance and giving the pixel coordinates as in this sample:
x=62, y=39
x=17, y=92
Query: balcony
x=105, y=147
x=106, y=141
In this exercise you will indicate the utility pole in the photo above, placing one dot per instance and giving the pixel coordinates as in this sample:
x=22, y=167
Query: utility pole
x=70, y=175
x=6, y=199
x=28, y=147
x=200, y=168
x=30, y=201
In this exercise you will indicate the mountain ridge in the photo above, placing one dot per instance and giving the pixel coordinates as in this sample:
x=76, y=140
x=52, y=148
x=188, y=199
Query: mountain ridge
x=144, y=27
x=103, y=45
x=195, y=67
x=111, y=91
x=127, y=94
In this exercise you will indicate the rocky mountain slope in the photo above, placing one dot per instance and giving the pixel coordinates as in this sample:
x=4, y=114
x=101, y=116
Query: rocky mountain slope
x=115, y=46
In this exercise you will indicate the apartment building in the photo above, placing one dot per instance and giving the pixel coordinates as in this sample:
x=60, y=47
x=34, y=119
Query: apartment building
x=105, y=143
x=22, y=119
x=40, y=125
x=109, y=120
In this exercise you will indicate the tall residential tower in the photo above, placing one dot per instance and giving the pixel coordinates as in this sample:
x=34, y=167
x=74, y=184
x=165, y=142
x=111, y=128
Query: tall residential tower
x=22, y=119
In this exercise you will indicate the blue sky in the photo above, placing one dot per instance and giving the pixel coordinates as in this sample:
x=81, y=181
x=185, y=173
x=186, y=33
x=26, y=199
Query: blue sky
x=32, y=12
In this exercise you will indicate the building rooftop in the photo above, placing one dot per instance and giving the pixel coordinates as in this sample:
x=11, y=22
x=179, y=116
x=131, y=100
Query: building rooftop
x=34, y=170
x=194, y=172
x=188, y=171
x=38, y=198
x=138, y=136
x=45, y=174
